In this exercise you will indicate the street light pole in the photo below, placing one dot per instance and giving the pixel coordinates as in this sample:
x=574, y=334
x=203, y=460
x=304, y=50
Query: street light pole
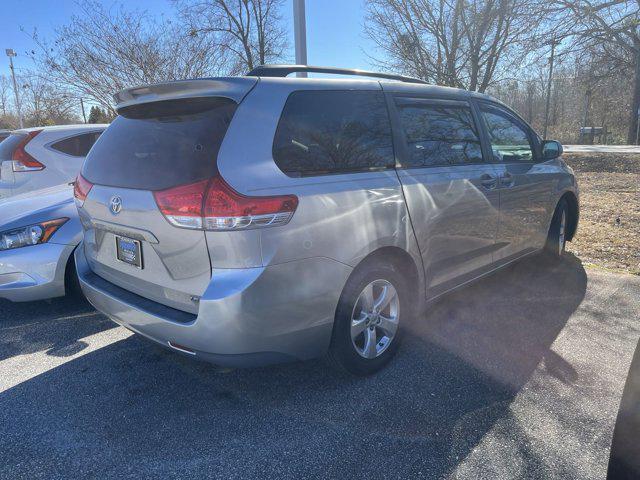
x=84, y=116
x=300, y=34
x=554, y=42
x=10, y=53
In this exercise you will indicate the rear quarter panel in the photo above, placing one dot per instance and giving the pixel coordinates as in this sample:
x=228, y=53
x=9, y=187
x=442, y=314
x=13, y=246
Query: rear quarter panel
x=343, y=217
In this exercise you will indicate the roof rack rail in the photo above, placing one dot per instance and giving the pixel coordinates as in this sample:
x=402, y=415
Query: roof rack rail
x=284, y=70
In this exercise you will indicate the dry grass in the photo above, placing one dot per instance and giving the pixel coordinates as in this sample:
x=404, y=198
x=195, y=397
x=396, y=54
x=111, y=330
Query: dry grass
x=609, y=229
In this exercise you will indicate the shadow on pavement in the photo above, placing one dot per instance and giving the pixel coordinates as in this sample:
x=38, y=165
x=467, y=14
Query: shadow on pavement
x=55, y=326
x=131, y=407
x=503, y=326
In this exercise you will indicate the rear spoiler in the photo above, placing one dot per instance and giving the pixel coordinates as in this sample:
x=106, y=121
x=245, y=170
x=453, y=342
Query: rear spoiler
x=234, y=88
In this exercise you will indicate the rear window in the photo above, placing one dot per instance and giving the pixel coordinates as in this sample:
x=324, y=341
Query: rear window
x=9, y=144
x=78, y=145
x=160, y=145
x=322, y=132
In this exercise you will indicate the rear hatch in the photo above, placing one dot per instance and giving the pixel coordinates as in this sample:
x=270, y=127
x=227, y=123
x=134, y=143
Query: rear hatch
x=150, y=148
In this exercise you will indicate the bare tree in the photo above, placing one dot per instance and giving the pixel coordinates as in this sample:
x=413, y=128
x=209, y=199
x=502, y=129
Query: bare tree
x=103, y=51
x=578, y=76
x=611, y=30
x=7, y=117
x=4, y=94
x=248, y=32
x=44, y=102
x=459, y=43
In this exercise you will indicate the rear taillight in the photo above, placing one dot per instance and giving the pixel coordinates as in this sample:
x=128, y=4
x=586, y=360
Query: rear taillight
x=81, y=188
x=21, y=161
x=214, y=205
x=226, y=209
x=182, y=205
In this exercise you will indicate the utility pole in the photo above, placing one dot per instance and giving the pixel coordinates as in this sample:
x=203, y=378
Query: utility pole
x=10, y=53
x=82, y=106
x=587, y=106
x=300, y=33
x=554, y=42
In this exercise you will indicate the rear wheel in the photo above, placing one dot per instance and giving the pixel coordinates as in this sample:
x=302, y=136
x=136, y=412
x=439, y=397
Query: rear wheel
x=366, y=332
x=556, y=238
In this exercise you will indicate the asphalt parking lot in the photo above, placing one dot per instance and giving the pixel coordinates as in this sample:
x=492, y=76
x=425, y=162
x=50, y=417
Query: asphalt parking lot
x=519, y=376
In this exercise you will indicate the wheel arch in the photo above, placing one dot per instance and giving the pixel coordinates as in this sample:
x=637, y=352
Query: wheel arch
x=403, y=263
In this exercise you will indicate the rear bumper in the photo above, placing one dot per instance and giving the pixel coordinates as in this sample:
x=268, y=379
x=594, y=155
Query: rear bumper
x=246, y=317
x=33, y=273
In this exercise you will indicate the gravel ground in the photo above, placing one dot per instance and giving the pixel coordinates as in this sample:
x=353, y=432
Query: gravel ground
x=518, y=376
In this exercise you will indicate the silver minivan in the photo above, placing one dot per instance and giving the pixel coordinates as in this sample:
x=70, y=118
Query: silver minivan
x=261, y=219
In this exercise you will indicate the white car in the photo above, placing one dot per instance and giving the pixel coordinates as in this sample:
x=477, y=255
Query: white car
x=41, y=157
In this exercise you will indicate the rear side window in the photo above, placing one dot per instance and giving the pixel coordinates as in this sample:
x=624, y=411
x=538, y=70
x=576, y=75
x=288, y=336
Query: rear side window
x=324, y=132
x=78, y=145
x=161, y=145
x=439, y=134
x=9, y=144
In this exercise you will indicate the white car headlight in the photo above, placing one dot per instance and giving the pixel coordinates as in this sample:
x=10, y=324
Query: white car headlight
x=30, y=235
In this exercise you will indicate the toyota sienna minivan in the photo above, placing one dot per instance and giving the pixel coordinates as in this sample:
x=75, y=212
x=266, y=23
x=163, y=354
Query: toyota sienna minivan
x=261, y=219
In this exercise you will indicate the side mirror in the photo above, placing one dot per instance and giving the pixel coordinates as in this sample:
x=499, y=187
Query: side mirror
x=551, y=149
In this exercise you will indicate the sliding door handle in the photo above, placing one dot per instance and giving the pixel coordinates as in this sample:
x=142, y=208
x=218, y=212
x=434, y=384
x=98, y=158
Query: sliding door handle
x=488, y=181
x=507, y=180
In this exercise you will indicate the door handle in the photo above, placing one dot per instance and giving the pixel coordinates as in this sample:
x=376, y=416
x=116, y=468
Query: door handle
x=488, y=181
x=507, y=180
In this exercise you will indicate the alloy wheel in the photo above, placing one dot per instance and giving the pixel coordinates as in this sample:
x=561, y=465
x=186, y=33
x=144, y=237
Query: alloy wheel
x=374, y=321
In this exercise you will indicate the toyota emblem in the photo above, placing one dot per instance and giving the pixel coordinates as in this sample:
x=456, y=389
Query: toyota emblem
x=115, y=204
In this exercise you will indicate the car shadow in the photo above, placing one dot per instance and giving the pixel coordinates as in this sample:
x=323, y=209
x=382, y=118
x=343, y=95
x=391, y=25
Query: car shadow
x=133, y=408
x=55, y=326
x=503, y=325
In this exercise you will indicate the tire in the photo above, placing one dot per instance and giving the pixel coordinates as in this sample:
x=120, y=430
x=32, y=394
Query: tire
x=360, y=355
x=556, y=238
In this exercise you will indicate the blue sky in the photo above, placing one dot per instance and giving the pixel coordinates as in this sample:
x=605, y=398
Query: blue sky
x=334, y=28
